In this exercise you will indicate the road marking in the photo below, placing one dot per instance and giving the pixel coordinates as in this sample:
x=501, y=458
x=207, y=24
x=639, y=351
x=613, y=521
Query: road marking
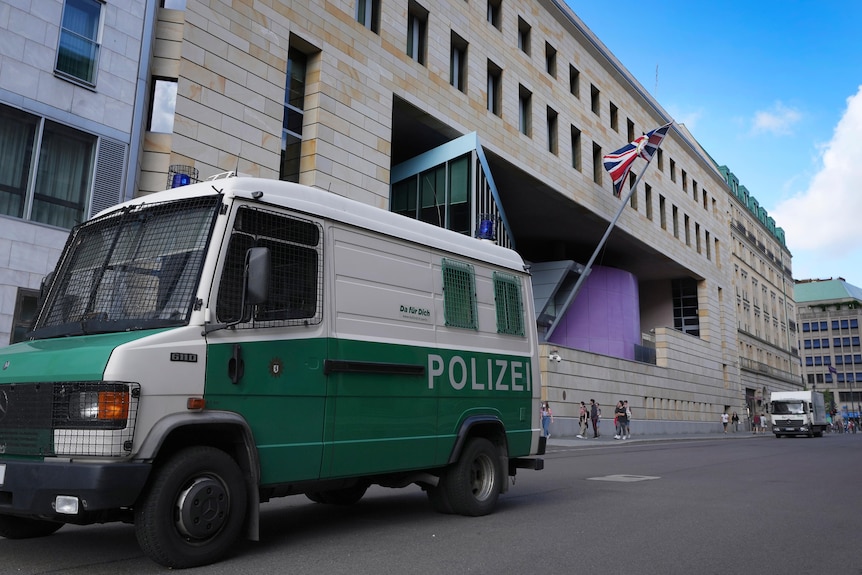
x=623, y=478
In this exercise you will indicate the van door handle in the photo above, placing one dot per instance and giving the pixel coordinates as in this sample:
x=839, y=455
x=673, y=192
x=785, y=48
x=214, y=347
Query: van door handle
x=235, y=365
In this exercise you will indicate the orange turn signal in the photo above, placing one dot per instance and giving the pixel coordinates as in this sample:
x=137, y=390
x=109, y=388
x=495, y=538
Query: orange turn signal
x=195, y=403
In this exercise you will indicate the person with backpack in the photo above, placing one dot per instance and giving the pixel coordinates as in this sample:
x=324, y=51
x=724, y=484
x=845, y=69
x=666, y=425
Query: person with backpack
x=594, y=417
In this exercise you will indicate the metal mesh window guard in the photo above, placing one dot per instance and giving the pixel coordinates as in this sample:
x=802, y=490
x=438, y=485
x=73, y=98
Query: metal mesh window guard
x=459, y=295
x=510, y=309
x=296, y=281
x=134, y=269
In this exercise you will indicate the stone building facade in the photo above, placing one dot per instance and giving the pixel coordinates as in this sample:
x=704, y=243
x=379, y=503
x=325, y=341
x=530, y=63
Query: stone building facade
x=507, y=108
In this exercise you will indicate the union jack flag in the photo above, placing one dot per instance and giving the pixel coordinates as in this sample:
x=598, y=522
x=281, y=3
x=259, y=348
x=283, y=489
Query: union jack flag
x=619, y=163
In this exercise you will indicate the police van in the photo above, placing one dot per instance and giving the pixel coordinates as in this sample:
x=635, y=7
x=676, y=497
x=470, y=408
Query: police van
x=202, y=350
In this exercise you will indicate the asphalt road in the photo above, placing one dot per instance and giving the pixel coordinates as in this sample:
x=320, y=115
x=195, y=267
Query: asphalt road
x=710, y=506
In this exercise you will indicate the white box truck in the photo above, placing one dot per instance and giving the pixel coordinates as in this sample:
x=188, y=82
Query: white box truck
x=202, y=350
x=797, y=413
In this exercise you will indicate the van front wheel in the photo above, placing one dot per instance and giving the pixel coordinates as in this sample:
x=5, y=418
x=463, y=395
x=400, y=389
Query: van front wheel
x=194, y=510
x=472, y=485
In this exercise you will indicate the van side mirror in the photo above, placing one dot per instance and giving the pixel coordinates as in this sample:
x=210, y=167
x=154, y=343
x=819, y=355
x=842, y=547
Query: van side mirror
x=257, y=272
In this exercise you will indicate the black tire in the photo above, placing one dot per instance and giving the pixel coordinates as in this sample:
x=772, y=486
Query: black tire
x=25, y=528
x=193, y=510
x=346, y=496
x=472, y=485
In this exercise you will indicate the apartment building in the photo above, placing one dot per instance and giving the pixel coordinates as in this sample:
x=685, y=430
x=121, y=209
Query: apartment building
x=829, y=312
x=462, y=113
x=769, y=357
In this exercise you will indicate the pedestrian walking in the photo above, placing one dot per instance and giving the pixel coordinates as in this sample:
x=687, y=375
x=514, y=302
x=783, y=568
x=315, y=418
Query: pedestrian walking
x=584, y=420
x=619, y=420
x=764, y=422
x=755, y=423
x=734, y=420
x=547, y=419
x=724, y=420
x=594, y=417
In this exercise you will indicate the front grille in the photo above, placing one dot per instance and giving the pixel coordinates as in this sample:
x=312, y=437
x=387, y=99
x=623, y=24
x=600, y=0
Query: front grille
x=44, y=419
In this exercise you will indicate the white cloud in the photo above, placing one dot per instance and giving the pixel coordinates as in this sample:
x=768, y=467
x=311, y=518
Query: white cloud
x=688, y=117
x=823, y=221
x=778, y=121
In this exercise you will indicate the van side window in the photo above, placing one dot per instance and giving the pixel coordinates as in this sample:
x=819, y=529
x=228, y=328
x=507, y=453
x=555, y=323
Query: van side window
x=510, y=307
x=296, y=283
x=459, y=295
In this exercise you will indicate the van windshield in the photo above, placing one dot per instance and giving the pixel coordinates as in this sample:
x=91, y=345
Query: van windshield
x=787, y=408
x=137, y=268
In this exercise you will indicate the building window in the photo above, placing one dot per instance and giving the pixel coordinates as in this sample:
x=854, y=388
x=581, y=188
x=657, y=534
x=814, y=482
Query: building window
x=630, y=130
x=672, y=171
x=684, y=181
x=493, y=13
x=697, y=237
x=523, y=36
x=417, y=24
x=615, y=117
x=661, y=211
x=45, y=169
x=163, y=104
x=458, y=63
x=368, y=14
x=595, y=101
x=294, y=112
x=597, y=164
x=684, y=296
x=687, y=227
x=459, y=295
x=574, y=82
x=660, y=159
x=550, y=60
x=26, y=303
x=707, y=244
x=439, y=196
x=576, y=148
x=675, y=212
x=78, y=50
x=525, y=98
x=495, y=83
x=552, y=131
x=509, y=304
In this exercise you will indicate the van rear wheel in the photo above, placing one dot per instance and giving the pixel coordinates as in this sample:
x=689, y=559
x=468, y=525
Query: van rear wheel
x=472, y=485
x=194, y=510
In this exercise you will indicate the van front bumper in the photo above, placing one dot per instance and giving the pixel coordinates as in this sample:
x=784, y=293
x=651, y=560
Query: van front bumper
x=30, y=488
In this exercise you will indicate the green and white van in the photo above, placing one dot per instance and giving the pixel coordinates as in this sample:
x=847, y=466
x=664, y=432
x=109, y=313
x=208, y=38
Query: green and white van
x=202, y=350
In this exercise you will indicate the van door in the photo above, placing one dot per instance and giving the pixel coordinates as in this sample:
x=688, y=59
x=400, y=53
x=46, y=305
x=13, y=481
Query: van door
x=269, y=366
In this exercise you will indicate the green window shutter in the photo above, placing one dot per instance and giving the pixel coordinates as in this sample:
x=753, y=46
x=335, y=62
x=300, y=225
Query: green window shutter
x=459, y=295
x=510, y=307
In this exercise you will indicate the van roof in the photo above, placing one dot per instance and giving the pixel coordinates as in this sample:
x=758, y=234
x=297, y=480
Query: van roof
x=330, y=206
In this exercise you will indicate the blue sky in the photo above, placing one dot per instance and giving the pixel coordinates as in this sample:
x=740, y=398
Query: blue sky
x=771, y=89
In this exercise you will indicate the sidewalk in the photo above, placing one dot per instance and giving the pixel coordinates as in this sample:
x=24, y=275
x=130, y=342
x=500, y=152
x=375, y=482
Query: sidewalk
x=605, y=439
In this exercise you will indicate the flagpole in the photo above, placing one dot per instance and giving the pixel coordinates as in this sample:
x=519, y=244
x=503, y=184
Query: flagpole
x=588, y=267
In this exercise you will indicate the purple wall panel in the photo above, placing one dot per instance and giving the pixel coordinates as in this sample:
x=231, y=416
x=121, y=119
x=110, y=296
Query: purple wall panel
x=605, y=317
